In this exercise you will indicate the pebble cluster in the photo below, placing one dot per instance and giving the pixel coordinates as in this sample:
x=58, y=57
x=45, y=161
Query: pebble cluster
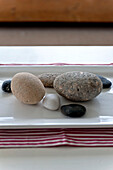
x=75, y=86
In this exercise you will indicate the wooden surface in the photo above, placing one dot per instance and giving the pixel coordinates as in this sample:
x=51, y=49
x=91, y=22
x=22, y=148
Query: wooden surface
x=56, y=10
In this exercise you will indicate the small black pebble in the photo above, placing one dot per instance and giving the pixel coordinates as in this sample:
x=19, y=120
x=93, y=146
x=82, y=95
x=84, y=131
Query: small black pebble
x=73, y=110
x=6, y=86
x=106, y=82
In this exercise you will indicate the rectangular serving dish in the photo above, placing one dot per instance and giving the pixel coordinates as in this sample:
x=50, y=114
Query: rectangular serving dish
x=14, y=114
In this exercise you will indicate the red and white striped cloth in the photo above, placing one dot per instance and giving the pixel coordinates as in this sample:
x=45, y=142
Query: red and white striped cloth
x=77, y=137
x=55, y=64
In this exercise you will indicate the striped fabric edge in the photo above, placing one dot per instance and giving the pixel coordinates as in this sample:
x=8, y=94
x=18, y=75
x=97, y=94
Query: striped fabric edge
x=55, y=64
x=76, y=137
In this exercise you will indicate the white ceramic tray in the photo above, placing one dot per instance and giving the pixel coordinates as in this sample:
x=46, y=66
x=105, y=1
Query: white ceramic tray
x=14, y=114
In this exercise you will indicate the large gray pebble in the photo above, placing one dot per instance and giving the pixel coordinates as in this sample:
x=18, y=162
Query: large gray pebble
x=78, y=86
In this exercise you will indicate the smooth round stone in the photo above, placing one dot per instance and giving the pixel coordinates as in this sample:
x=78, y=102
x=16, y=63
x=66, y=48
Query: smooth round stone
x=73, y=110
x=27, y=88
x=105, y=81
x=78, y=86
x=6, y=86
x=51, y=102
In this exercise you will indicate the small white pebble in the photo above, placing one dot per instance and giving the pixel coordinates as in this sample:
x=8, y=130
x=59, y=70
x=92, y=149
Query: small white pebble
x=51, y=102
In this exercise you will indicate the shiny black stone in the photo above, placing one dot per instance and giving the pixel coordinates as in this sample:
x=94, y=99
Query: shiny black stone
x=106, y=82
x=73, y=110
x=6, y=86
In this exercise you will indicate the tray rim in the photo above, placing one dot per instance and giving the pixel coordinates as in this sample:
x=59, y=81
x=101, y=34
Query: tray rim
x=102, y=67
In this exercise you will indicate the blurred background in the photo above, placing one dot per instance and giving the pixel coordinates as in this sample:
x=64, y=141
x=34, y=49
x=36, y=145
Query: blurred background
x=56, y=22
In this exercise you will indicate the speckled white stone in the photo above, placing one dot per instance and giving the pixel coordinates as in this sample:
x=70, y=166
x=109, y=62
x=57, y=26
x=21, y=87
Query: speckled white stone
x=78, y=85
x=51, y=101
